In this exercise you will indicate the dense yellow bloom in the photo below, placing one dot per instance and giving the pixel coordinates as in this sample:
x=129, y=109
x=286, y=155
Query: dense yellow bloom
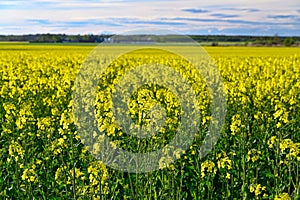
x=58, y=174
x=235, y=124
x=294, y=150
x=76, y=172
x=44, y=123
x=286, y=143
x=15, y=150
x=37, y=126
x=227, y=176
x=271, y=141
x=29, y=175
x=282, y=196
x=97, y=172
x=293, y=147
x=224, y=162
x=177, y=153
x=66, y=119
x=257, y=189
x=208, y=166
x=165, y=161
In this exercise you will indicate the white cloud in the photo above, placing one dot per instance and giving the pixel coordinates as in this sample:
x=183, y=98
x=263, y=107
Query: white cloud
x=74, y=16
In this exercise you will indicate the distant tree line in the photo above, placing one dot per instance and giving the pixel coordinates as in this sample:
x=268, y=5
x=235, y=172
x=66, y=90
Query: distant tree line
x=213, y=39
x=250, y=40
x=54, y=38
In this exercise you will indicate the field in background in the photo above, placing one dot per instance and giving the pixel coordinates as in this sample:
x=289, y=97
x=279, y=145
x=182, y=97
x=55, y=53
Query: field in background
x=87, y=47
x=256, y=157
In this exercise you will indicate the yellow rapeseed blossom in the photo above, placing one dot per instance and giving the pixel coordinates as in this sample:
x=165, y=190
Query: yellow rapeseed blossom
x=97, y=172
x=286, y=143
x=177, y=153
x=76, y=172
x=224, y=163
x=29, y=175
x=272, y=141
x=227, y=176
x=257, y=189
x=165, y=161
x=16, y=151
x=58, y=174
x=208, y=167
x=235, y=124
x=282, y=196
x=38, y=134
x=253, y=155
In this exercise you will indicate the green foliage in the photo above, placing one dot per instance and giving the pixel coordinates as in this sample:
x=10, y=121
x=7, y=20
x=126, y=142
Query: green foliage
x=289, y=41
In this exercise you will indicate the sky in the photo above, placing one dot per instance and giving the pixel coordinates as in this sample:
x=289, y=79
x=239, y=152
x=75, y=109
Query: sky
x=214, y=17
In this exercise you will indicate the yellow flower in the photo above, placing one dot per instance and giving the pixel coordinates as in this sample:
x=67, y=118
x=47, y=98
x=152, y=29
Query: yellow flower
x=227, y=176
x=15, y=150
x=77, y=172
x=97, y=172
x=29, y=175
x=165, y=162
x=177, y=153
x=38, y=162
x=77, y=137
x=32, y=178
x=224, y=162
x=252, y=188
x=61, y=141
x=208, y=166
x=271, y=141
x=257, y=189
x=278, y=125
x=282, y=196
x=96, y=148
x=253, y=155
x=24, y=175
x=235, y=124
x=171, y=167
x=283, y=145
x=113, y=144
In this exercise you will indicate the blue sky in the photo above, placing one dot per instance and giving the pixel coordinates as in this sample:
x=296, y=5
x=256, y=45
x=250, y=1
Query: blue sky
x=231, y=17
